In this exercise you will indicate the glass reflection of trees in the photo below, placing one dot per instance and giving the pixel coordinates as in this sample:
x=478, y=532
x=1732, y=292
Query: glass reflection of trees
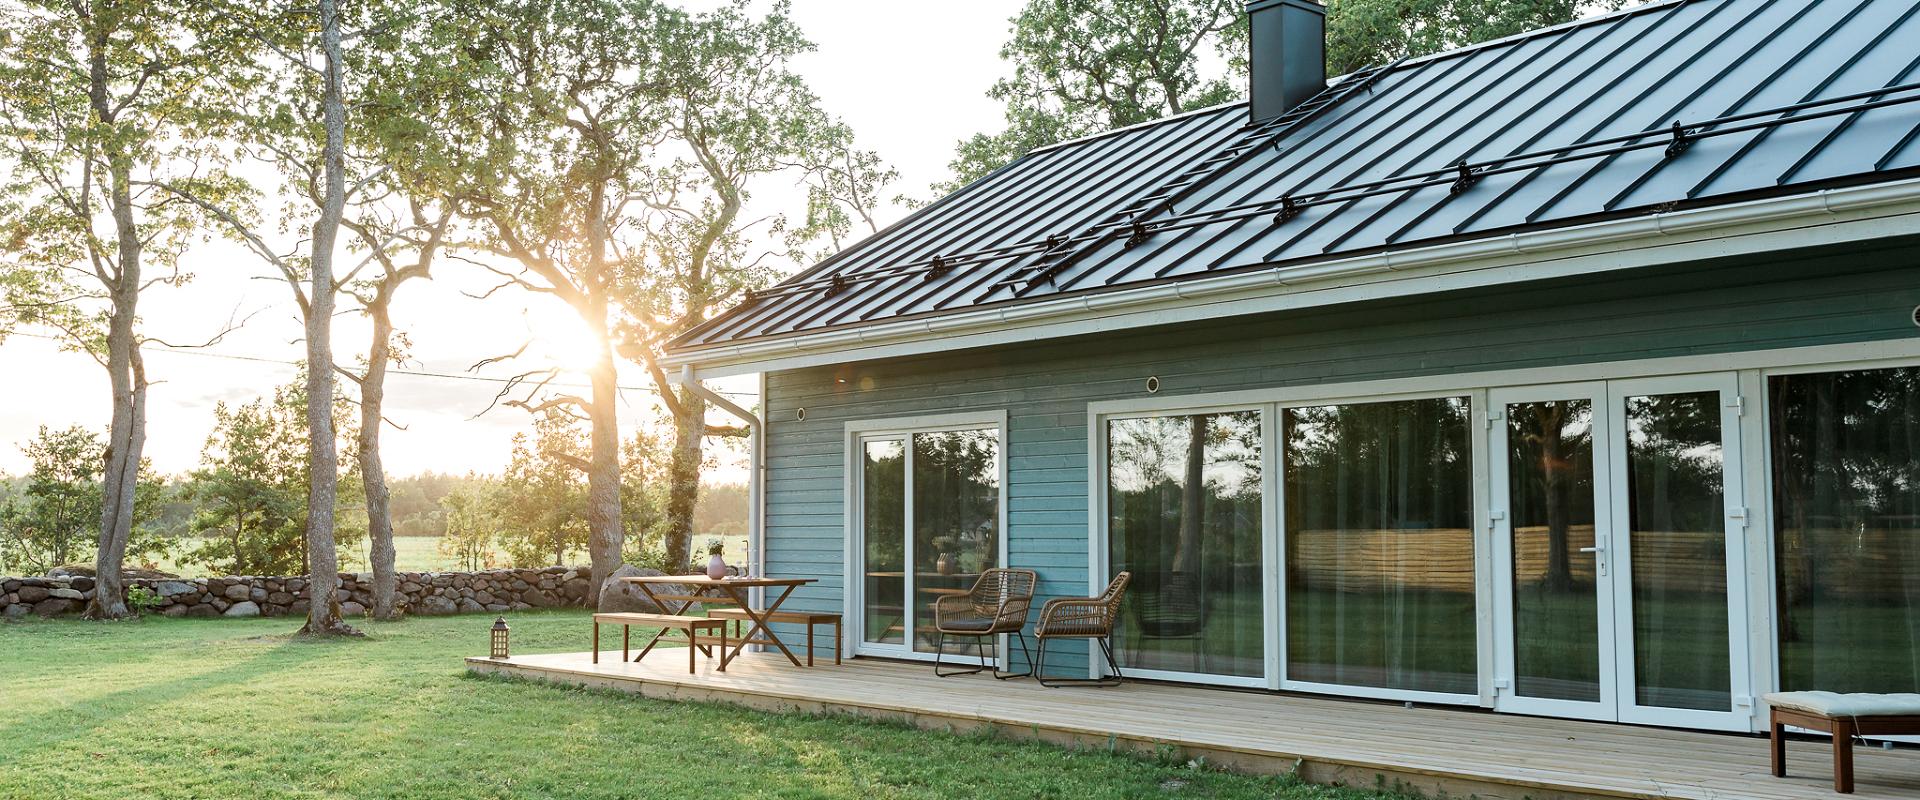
x=1550, y=507
x=1184, y=498
x=956, y=522
x=1676, y=511
x=1379, y=557
x=1846, y=482
x=883, y=517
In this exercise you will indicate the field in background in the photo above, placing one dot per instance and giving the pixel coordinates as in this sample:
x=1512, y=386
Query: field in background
x=422, y=554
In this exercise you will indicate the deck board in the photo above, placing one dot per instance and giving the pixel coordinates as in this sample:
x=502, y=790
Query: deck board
x=1434, y=750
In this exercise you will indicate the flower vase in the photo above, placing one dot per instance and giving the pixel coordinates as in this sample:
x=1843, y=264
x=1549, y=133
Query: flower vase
x=716, y=567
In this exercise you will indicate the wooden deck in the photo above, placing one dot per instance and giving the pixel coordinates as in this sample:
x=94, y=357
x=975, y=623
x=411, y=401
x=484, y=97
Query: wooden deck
x=1433, y=751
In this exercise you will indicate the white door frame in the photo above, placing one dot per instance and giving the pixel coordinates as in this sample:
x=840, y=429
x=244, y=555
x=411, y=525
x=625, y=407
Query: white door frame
x=857, y=434
x=1500, y=522
x=1735, y=519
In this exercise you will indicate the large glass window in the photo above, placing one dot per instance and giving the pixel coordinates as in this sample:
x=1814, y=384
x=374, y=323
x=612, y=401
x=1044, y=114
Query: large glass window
x=884, y=516
x=956, y=516
x=1379, y=530
x=1846, y=510
x=1183, y=500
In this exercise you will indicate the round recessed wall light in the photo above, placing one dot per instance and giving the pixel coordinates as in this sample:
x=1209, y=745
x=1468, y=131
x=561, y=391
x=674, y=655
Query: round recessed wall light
x=1153, y=384
x=1915, y=316
x=799, y=415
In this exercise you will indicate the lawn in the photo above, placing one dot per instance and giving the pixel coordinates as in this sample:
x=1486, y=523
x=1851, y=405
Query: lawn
x=237, y=708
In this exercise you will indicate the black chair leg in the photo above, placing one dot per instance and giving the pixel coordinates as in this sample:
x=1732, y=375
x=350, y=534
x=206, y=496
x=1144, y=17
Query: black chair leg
x=939, y=652
x=1022, y=636
x=1105, y=650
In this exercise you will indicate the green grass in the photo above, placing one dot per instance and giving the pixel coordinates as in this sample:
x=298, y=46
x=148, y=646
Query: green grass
x=237, y=708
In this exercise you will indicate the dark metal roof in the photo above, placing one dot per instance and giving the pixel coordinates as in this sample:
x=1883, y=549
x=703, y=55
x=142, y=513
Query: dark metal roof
x=1689, y=102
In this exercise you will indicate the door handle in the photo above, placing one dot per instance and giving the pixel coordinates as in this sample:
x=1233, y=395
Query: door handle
x=1599, y=559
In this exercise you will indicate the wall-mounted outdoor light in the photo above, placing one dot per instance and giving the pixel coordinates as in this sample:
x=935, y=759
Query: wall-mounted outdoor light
x=799, y=415
x=1153, y=384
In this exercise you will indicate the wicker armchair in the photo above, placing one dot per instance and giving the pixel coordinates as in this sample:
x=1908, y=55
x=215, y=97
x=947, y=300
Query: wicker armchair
x=998, y=603
x=1082, y=618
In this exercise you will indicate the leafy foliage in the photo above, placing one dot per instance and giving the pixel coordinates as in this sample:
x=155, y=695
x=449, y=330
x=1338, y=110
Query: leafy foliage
x=543, y=515
x=251, y=488
x=1085, y=66
x=55, y=517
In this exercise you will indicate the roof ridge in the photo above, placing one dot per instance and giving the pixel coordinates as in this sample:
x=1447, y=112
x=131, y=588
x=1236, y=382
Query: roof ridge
x=1550, y=30
x=1217, y=107
x=1563, y=27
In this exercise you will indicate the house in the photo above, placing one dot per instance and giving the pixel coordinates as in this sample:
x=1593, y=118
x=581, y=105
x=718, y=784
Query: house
x=1571, y=374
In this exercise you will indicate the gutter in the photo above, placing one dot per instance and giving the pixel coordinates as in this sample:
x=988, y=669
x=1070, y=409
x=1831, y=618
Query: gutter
x=1641, y=231
x=757, y=464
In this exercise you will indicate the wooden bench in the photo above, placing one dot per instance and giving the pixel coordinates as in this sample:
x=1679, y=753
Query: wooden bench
x=1843, y=716
x=687, y=626
x=807, y=618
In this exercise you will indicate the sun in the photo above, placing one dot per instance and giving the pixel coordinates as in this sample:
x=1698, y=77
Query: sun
x=561, y=338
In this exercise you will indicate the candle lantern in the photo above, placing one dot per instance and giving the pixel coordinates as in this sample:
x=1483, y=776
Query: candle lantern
x=499, y=638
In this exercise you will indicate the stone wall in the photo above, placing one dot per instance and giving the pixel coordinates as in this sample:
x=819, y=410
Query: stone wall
x=428, y=593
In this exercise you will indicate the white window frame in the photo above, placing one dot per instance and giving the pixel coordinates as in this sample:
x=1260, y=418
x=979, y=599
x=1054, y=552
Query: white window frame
x=857, y=433
x=1763, y=570
x=1751, y=369
x=1099, y=552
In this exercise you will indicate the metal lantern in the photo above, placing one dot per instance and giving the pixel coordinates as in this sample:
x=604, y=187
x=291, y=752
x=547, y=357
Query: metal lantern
x=499, y=638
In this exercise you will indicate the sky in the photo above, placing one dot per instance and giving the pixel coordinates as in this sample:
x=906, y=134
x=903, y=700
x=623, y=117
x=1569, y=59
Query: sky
x=909, y=77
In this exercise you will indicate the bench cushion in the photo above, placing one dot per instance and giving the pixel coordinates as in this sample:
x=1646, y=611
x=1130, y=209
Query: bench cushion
x=659, y=620
x=1835, y=704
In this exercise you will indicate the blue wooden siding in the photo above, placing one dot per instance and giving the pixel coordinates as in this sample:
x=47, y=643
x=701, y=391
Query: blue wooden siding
x=1796, y=299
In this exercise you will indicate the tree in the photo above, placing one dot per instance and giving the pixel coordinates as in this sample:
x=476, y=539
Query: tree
x=253, y=482
x=736, y=114
x=1361, y=33
x=56, y=514
x=473, y=513
x=644, y=467
x=291, y=113
x=544, y=511
x=545, y=114
x=98, y=99
x=1085, y=66
x=248, y=491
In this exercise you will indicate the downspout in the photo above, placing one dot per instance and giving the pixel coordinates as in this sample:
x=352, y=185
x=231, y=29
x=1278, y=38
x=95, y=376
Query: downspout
x=756, y=461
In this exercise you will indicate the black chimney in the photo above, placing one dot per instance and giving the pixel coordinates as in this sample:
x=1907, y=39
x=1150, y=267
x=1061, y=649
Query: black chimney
x=1287, y=54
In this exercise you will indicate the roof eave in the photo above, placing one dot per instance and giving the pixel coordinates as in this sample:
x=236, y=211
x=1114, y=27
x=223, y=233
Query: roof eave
x=1826, y=216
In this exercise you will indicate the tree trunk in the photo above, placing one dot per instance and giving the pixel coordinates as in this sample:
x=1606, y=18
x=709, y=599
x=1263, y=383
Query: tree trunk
x=126, y=437
x=323, y=563
x=1193, y=497
x=683, y=477
x=604, y=536
x=373, y=476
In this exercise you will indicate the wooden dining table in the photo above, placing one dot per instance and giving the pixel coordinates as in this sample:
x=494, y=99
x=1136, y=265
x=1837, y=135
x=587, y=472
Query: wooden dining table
x=724, y=591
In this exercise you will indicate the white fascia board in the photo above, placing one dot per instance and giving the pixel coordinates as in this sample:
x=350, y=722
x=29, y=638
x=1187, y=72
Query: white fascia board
x=1831, y=216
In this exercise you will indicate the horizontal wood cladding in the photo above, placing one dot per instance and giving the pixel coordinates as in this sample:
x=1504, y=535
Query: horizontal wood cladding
x=1788, y=300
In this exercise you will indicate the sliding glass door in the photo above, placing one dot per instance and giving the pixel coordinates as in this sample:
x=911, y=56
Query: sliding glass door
x=1617, y=517
x=1184, y=519
x=928, y=525
x=1379, y=556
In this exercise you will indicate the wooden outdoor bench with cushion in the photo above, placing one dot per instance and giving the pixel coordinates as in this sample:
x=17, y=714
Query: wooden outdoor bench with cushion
x=807, y=618
x=1844, y=716
x=686, y=626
